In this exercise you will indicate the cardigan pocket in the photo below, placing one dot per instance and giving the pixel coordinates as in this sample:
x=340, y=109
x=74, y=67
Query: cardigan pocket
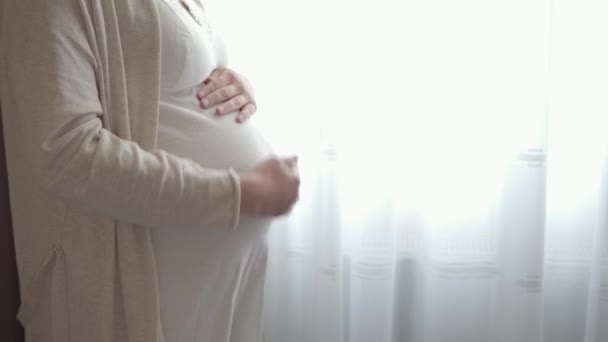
x=44, y=308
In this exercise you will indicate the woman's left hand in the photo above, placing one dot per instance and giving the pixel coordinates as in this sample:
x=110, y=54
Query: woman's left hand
x=230, y=91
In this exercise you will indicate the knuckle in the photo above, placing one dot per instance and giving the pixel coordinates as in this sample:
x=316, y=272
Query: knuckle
x=228, y=74
x=224, y=93
x=237, y=101
x=209, y=87
x=227, y=107
x=212, y=98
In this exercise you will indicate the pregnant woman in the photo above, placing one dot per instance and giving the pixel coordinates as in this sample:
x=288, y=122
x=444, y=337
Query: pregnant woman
x=211, y=280
x=141, y=195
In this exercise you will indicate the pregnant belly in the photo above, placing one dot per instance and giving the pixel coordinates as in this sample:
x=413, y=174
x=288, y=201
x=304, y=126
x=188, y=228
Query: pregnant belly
x=216, y=142
x=213, y=141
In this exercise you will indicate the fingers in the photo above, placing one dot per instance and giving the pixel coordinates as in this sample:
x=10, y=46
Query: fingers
x=292, y=168
x=220, y=96
x=246, y=112
x=232, y=105
x=215, y=74
x=229, y=92
x=280, y=182
x=292, y=161
x=214, y=83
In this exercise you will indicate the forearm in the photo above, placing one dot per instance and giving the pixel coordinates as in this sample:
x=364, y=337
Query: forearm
x=92, y=168
x=249, y=194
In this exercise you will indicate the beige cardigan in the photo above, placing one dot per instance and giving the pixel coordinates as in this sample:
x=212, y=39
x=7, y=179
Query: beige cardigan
x=79, y=87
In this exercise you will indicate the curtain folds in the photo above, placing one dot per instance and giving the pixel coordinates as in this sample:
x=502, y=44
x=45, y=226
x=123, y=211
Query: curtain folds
x=454, y=167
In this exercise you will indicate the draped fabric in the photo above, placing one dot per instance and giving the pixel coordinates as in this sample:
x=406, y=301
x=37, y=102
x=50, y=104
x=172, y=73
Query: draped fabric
x=454, y=167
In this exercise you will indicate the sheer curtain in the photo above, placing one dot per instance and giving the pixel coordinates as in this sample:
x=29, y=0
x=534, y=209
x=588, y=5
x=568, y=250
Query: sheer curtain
x=454, y=166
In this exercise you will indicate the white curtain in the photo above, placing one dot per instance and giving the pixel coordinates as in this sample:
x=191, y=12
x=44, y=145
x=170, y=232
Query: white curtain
x=454, y=162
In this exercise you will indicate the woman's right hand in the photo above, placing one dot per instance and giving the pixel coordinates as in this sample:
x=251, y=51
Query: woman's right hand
x=271, y=188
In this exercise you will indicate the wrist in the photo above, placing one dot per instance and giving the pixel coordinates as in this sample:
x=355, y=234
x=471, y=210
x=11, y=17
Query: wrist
x=249, y=193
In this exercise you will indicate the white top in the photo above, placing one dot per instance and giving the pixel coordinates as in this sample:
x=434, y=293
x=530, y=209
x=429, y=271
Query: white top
x=211, y=280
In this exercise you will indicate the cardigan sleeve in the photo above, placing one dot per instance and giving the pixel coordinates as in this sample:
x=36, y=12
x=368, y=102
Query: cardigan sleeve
x=49, y=79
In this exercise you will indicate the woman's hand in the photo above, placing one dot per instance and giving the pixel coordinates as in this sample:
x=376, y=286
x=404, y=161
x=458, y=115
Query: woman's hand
x=271, y=188
x=230, y=91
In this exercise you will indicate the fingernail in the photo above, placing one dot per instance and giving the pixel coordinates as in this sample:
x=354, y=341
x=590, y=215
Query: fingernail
x=220, y=110
x=205, y=102
x=200, y=94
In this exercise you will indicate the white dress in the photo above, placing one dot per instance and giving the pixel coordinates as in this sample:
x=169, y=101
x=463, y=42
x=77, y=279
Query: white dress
x=211, y=279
